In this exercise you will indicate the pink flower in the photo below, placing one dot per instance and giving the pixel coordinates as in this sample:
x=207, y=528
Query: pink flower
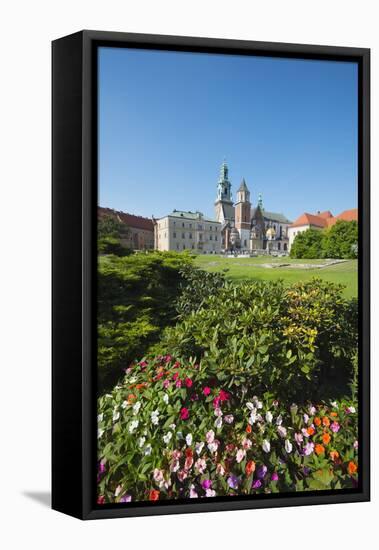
x=229, y=418
x=188, y=463
x=209, y=436
x=298, y=438
x=355, y=444
x=176, y=376
x=184, y=413
x=182, y=474
x=216, y=402
x=188, y=382
x=200, y=465
x=206, y=390
x=166, y=383
x=335, y=427
x=220, y=470
x=193, y=493
x=158, y=475
x=246, y=443
x=176, y=365
x=167, y=358
x=178, y=383
x=241, y=453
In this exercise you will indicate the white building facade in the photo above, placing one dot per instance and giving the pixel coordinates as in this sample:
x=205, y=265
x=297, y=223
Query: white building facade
x=183, y=230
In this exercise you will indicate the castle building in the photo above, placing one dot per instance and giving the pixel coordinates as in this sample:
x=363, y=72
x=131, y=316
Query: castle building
x=182, y=230
x=244, y=227
x=139, y=234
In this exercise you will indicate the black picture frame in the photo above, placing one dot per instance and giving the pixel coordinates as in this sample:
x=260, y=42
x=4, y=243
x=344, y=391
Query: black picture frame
x=74, y=205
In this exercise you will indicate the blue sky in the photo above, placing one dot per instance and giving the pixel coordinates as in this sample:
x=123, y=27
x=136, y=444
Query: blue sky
x=167, y=120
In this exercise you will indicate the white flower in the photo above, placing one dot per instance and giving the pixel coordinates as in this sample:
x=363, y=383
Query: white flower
x=118, y=490
x=253, y=417
x=312, y=410
x=193, y=493
x=165, y=398
x=229, y=418
x=167, y=437
x=155, y=417
x=210, y=493
x=351, y=410
x=100, y=417
x=124, y=404
x=250, y=406
x=133, y=426
x=269, y=417
x=282, y=431
x=218, y=411
x=288, y=446
x=172, y=426
x=241, y=453
x=189, y=439
x=266, y=446
x=306, y=418
x=100, y=432
x=213, y=446
x=136, y=407
x=141, y=441
x=116, y=415
x=179, y=435
x=218, y=422
x=199, y=447
x=279, y=420
x=334, y=404
x=148, y=449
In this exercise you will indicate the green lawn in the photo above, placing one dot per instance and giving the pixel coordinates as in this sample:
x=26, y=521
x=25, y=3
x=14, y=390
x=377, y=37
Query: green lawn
x=243, y=269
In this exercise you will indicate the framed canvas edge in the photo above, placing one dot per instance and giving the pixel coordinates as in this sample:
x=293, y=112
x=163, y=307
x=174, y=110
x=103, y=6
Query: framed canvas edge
x=85, y=494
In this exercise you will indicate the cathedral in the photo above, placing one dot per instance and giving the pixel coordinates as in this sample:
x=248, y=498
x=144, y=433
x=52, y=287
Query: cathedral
x=245, y=228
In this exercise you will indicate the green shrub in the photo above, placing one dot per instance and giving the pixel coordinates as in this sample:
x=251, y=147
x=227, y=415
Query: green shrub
x=298, y=341
x=340, y=241
x=308, y=245
x=136, y=301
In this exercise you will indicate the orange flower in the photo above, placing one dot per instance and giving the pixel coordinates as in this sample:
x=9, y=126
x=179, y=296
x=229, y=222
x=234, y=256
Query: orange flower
x=320, y=449
x=140, y=386
x=352, y=468
x=250, y=468
x=310, y=430
x=131, y=396
x=333, y=413
x=317, y=421
x=325, y=438
x=248, y=429
x=154, y=494
x=326, y=421
x=334, y=455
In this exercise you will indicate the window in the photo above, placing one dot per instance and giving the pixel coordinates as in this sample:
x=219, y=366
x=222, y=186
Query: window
x=244, y=243
x=183, y=224
x=216, y=238
x=193, y=246
x=210, y=228
x=210, y=237
x=183, y=236
x=200, y=236
x=190, y=225
x=190, y=235
x=200, y=227
x=184, y=246
x=177, y=246
x=174, y=235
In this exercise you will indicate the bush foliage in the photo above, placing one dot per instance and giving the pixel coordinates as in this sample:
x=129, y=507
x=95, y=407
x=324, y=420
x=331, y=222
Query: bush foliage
x=136, y=301
x=339, y=241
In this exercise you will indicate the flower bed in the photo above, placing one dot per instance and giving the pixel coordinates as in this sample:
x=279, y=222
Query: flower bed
x=170, y=431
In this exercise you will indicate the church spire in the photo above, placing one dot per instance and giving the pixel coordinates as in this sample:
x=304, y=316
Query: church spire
x=260, y=201
x=224, y=185
x=224, y=171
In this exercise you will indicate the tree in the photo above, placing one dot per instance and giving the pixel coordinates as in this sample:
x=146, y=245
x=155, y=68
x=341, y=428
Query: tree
x=110, y=233
x=308, y=244
x=341, y=240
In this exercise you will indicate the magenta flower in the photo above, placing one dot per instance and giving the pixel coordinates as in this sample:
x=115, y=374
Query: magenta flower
x=126, y=498
x=206, y=390
x=335, y=427
x=184, y=413
x=166, y=383
x=178, y=383
x=224, y=396
x=274, y=477
x=167, y=358
x=206, y=484
x=308, y=449
x=257, y=484
x=188, y=382
x=216, y=402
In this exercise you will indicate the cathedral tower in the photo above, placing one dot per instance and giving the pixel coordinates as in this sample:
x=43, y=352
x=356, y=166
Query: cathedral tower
x=243, y=214
x=224, y=205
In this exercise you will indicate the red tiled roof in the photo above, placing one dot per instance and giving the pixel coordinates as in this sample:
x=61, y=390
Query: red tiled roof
x=309, y=219
x=136, y=222
x=325, y=215
x=325, y=219
x=346, y=216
